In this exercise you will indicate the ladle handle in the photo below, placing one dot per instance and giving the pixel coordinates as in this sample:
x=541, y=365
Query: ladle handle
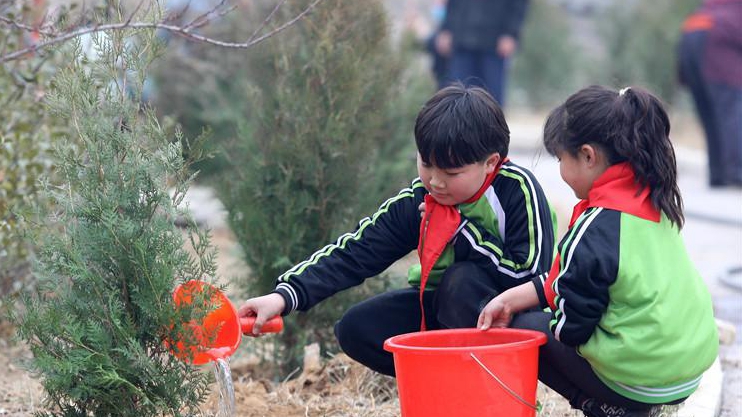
x=273, y=325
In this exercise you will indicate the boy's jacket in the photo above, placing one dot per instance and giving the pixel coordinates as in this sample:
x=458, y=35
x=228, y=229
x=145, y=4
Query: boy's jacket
x=509, y=231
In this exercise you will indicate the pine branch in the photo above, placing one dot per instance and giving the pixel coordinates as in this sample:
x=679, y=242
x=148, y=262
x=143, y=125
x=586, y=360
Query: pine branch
x=186, y=31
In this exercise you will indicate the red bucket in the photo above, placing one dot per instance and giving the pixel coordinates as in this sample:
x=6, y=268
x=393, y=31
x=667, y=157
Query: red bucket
x=467, y=372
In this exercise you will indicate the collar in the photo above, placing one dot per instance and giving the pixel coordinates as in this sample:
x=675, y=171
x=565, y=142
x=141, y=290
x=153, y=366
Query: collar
x=487, y=182
x=438, y=226
x=618, y=189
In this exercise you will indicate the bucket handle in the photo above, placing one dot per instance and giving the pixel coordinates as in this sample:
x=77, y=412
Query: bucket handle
x=536, y=407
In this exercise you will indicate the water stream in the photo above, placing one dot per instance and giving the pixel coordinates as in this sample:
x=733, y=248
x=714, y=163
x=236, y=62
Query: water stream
x=223, y=376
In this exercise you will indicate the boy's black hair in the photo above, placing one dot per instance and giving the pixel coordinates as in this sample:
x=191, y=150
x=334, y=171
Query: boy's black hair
x=628, y=126
x=460, y=126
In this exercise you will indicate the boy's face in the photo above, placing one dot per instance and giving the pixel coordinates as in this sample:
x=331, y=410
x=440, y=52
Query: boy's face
x=455, y=185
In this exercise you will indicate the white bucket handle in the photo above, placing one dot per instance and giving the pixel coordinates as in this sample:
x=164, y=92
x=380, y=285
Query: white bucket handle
x=536, y=407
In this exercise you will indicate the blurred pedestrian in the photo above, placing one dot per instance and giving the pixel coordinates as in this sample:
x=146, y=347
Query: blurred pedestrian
x=439, y=64
x=480, y=37
x=710, y=65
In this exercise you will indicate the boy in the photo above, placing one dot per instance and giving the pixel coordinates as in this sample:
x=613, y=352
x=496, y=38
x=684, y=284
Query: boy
x=480, y=223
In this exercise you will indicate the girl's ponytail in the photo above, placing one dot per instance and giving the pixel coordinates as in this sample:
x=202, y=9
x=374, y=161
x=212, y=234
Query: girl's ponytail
x=630, y=125
x=645, y=142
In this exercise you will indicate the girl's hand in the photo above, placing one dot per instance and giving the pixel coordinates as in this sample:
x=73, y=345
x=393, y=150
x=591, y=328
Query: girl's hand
x=495, y=314
x=421, y=209
x=499, y=311
x=262, y=308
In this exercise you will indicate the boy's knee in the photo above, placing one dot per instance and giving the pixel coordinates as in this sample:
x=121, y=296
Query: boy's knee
x=456, y=280
x=532, y=320
x=359, y=342
x=463, y=291
x=463, y=282
x=346, y=330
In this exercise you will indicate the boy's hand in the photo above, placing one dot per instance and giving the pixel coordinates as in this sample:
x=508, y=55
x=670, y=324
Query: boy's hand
x=495, y=314
x=421, y=207
x=262, y=308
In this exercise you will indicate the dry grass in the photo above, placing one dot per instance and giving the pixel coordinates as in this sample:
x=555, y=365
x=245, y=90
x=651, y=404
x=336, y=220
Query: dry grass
x=339, y=387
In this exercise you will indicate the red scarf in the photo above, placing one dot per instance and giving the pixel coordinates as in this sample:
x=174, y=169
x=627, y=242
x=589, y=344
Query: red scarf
x=437, y=228
x=615, y=189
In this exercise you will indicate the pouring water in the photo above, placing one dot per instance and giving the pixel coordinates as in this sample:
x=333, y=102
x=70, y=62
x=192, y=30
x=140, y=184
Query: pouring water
x=223, y=376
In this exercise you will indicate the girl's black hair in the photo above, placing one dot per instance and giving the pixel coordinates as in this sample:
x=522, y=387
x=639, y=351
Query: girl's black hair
x=460, y=126
x=628, y=126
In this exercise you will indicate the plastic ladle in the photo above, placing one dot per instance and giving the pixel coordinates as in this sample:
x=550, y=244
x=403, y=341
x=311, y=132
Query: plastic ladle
x=223, y=321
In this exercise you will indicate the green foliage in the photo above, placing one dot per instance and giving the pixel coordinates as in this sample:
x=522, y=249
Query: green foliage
x=641, y=40
x=27, y=134
x=547, y=67
x=109, y=253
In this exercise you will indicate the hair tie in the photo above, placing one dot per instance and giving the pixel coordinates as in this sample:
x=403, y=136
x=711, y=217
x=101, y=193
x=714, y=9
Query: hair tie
x=623, y=91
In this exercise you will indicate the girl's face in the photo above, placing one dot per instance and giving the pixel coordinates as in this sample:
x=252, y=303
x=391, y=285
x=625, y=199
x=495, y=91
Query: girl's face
x=455, y=185
x=581, y=170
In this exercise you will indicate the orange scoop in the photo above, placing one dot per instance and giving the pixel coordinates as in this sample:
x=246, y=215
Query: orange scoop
x=223, y=322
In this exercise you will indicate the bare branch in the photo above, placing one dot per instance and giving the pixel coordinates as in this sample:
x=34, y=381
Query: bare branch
x=136, y=10
x=205, y=17
x=24, y=27
x=267, y=19
x=203, y=22
x=185, y=31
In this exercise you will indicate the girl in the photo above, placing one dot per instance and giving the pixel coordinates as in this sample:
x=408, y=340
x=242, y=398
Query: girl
x=631, y=324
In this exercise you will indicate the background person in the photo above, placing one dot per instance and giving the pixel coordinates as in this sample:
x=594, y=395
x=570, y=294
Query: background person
x=710, y=65
x=480, y=37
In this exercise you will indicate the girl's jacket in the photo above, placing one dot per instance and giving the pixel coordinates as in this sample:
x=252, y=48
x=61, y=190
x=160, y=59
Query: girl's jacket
x=509, y=231
x=624, y=292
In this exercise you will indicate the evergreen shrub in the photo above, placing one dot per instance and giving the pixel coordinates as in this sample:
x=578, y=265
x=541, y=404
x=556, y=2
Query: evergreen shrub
x=548, y=65
x=109, y=253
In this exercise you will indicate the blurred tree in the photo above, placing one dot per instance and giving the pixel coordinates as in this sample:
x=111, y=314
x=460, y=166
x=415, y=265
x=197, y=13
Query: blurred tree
x=321, y=121
x=316, y=125
x=27, y=134
x=641, y=41
x=549, y=65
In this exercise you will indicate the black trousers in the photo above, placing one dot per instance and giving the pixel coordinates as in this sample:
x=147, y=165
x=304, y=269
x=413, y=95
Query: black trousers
x=566, y=372
x=462, y=293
